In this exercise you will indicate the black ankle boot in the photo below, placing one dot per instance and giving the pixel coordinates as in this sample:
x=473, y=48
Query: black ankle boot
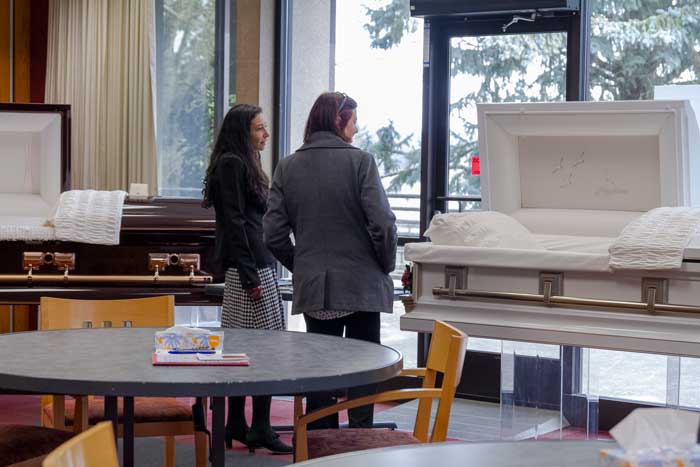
x=261, y=433
x=268, y=440
x=240, y=436
x=236, y=426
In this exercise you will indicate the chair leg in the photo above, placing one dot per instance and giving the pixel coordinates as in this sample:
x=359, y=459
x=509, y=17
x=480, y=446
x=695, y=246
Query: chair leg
x=169, y=453
x=200, y=449
x=80, y=415
x=58, y=414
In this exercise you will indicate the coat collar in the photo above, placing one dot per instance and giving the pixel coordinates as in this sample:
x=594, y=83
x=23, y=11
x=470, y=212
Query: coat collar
x=325, y=139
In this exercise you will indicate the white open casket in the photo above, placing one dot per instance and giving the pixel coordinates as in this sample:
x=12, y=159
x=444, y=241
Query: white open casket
x=574, y=174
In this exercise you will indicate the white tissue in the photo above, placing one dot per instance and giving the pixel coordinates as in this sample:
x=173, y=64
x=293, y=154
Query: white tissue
x=655, y=428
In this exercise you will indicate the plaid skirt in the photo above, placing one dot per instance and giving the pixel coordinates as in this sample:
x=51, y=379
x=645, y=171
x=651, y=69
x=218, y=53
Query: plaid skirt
x=240, y=311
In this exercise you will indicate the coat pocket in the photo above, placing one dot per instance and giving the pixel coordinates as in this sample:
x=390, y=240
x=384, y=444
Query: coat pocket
x=309, y=292
x=367, y=291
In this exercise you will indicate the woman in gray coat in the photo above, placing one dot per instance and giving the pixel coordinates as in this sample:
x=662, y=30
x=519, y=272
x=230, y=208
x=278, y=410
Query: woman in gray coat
x=329, y=195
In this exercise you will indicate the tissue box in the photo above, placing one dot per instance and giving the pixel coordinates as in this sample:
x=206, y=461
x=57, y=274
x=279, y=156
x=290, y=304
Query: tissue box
x=660, y=457
x=189, y=340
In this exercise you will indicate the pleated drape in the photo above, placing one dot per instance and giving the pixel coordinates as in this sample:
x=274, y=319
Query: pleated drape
x=99, y=61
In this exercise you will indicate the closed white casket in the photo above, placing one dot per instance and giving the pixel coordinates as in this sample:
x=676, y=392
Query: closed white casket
x=574, y=174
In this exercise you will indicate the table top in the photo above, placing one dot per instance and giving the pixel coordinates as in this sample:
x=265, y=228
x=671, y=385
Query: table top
x=451, y=454
x=117, y=361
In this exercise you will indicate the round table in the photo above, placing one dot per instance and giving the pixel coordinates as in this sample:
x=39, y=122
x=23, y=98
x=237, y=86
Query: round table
x=116, y=362
x=450, y=454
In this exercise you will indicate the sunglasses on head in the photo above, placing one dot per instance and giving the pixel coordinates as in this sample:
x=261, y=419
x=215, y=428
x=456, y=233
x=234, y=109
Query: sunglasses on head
x=342, y=102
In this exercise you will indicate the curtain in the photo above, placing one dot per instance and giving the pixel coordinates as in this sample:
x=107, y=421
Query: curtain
x=99, y=62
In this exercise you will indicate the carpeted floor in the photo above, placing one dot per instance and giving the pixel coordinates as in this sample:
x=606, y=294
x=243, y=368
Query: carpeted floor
x=149, y=452
x=469, y=421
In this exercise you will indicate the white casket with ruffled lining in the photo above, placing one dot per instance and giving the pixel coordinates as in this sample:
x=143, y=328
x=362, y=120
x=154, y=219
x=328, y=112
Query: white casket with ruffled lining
x=574, y=174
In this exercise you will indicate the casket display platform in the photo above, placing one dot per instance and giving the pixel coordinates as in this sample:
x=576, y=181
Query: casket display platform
x=165, y=245
x=574, y=174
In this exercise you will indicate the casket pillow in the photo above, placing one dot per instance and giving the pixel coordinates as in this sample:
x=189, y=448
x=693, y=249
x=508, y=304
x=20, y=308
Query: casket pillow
x=489, y=229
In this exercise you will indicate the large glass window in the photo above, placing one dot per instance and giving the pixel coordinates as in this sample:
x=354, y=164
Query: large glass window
x=378, y=60
x=185, y=39
x=185, y=83
x=636, y=45
x=371, y=50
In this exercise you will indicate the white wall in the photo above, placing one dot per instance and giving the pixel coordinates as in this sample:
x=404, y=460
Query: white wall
x=310, y=64
x=267, y=74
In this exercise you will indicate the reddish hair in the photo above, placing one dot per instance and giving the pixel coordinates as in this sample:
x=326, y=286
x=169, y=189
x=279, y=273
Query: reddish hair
x=325, y=111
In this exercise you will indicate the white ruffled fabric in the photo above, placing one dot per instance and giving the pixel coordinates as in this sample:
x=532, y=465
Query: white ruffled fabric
x=487, y=229
x=89, y=216
x=13, y=232
x=656, y=240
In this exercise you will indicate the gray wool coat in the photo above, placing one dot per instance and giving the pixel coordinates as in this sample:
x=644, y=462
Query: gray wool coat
x=330, y=196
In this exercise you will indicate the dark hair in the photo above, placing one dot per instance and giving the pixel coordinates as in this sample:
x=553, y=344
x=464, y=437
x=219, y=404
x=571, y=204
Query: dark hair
x=325, y=112
x=234, y=138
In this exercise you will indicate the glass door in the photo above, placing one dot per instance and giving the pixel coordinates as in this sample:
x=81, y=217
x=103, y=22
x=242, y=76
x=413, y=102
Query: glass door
x=481, y=64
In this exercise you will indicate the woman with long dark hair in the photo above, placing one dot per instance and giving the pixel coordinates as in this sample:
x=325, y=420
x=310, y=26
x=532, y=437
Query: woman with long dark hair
x=330, y=196
x=236, y=186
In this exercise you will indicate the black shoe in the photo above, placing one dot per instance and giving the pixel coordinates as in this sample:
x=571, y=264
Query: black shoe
x=238, y=435
x=268, y=440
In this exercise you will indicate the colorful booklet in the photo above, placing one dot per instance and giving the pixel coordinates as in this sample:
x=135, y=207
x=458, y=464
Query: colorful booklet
x=175, y=358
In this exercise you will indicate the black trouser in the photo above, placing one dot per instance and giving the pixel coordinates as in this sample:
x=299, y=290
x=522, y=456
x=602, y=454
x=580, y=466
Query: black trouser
x=359, y=325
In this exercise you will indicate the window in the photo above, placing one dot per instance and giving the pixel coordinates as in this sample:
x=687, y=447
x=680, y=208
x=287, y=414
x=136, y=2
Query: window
x=378, y=60
x=188, y=78
x=185, y=42
x=371, y=50
x=637, y=45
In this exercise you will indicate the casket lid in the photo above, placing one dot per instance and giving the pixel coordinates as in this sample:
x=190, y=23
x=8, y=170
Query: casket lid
x=35, y=156
x=34, y=118
x=584, y=159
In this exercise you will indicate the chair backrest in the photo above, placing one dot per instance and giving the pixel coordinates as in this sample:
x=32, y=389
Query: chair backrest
x=448, y=346
x=91, y=448
x=59, y=313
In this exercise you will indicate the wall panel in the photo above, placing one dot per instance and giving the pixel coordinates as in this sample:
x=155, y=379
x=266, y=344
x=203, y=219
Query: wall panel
x=4, y=50
x=22, y=50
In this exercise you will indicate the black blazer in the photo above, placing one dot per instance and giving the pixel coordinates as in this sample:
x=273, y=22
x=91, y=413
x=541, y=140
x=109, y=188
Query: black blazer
x=239, y=212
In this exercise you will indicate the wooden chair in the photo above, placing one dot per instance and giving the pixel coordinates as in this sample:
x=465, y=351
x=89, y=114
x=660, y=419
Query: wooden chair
x=92, y=448
x=446, y=356
x=156, y=416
